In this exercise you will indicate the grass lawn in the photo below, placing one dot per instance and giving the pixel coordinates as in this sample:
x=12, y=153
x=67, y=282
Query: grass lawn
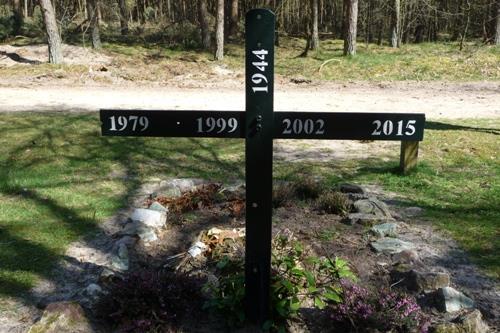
x=59, y=179
x=136, y=59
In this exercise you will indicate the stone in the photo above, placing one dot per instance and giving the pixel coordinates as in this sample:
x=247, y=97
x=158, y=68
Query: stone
x=451, y=300
x=418, y=281
x=429, y=281
x=372, y=206
x=120, y=261
x=94, y=291
x=470, y=322
x=413, y=211
x=391, y=245
x=410, y=257
x=351, y=188
x=146, y=234
x=151, y=218
x=182, y=184
x=364, y=219
x=385, y=229
x=156, y=206
x=62, y=317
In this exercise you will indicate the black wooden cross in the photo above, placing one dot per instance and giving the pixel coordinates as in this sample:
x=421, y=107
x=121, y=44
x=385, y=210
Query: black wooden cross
x=259, y=125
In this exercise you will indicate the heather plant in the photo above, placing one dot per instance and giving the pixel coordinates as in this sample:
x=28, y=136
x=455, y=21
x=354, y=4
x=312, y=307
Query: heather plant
x=333, y=202
x=148, y=300
x=385, y=310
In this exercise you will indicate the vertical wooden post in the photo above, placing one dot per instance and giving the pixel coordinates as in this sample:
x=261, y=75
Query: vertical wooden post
x=409, y=155
x=259, y=26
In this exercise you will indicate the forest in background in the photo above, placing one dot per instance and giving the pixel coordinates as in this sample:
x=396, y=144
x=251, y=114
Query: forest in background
x=208, y=24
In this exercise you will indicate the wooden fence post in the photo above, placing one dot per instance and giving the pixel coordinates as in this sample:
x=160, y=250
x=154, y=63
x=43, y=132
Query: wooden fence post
x=409, y=156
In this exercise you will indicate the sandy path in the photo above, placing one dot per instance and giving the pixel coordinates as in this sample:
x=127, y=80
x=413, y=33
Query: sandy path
x=435, y=100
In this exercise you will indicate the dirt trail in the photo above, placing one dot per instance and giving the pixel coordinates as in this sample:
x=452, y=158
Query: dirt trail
x=436, y=100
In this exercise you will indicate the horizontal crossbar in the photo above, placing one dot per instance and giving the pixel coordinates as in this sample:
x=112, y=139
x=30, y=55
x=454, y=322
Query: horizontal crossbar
x=287, y=125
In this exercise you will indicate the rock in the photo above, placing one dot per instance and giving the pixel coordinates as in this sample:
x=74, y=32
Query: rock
x=120, y=261
x=385, y=229
x=413, y=211
x=94, y=291
x=351, y=188
x=62, y=317
x=151, y=218
x=429, y=281
x=156, y=206
x=146, y=234
x=410, y=257
x=181, y=184
x=364, y=219
x=471, y=322
x=420, y=281
x=372, y=206
x=391, y=245
x=126, y=240
x=450, y=300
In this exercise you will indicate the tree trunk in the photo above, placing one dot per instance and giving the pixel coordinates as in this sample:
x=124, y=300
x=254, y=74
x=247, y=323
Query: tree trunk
x=94, y=23
x=53, y=37
x=204, y=25
x=219, y=34
x=233, y=19
x=18, y=17
x=497, y=25
x=314, y=25
x=350, y=26
x=396, y=24
x=123, y=17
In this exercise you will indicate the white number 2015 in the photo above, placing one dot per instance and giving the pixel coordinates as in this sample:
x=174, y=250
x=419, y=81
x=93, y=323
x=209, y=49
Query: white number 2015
x=135, y=123
x=387, y=128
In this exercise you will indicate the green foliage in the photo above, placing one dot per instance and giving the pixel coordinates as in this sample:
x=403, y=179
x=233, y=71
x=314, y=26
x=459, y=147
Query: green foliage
x=334, y=202
x=296, y=278
x=283, y=192
x=307, y=187
x=7, y=25
x=227, y=294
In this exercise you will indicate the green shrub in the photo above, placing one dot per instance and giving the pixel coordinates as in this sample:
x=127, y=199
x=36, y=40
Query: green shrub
x=308, y=188
x=283, y=193
x=296, y=278
x=333, y=202
x=7, y=26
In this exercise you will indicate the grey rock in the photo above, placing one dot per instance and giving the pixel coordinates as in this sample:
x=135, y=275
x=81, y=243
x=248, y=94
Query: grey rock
x=126, y=240
x=410, y=257
x=158, y=207
x=372, y=206
x=419, y=281
x=62, y=317
x=451, y=300
x=391, y=245
x=151, y=218
x=120, y=260
x=146, y=234
x=385, y=229
x=351, y=188
x=470, y=322
x=429, y=281
x=365, y=219
x=181, y=184
x=413, y=211
x=94, y=291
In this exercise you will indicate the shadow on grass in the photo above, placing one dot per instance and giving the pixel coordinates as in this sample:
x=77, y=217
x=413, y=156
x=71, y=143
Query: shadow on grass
x=46, y=152
x=438, y=126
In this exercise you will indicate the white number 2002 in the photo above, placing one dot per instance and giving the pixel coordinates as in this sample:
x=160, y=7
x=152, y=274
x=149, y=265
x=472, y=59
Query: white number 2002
x=387, y=128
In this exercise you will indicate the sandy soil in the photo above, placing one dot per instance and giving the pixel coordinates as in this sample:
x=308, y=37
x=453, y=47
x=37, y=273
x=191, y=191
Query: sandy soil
x=436, y=100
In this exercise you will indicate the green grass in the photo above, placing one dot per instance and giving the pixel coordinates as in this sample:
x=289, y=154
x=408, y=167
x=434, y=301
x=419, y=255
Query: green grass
x=135, y=59
x=59, y=179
